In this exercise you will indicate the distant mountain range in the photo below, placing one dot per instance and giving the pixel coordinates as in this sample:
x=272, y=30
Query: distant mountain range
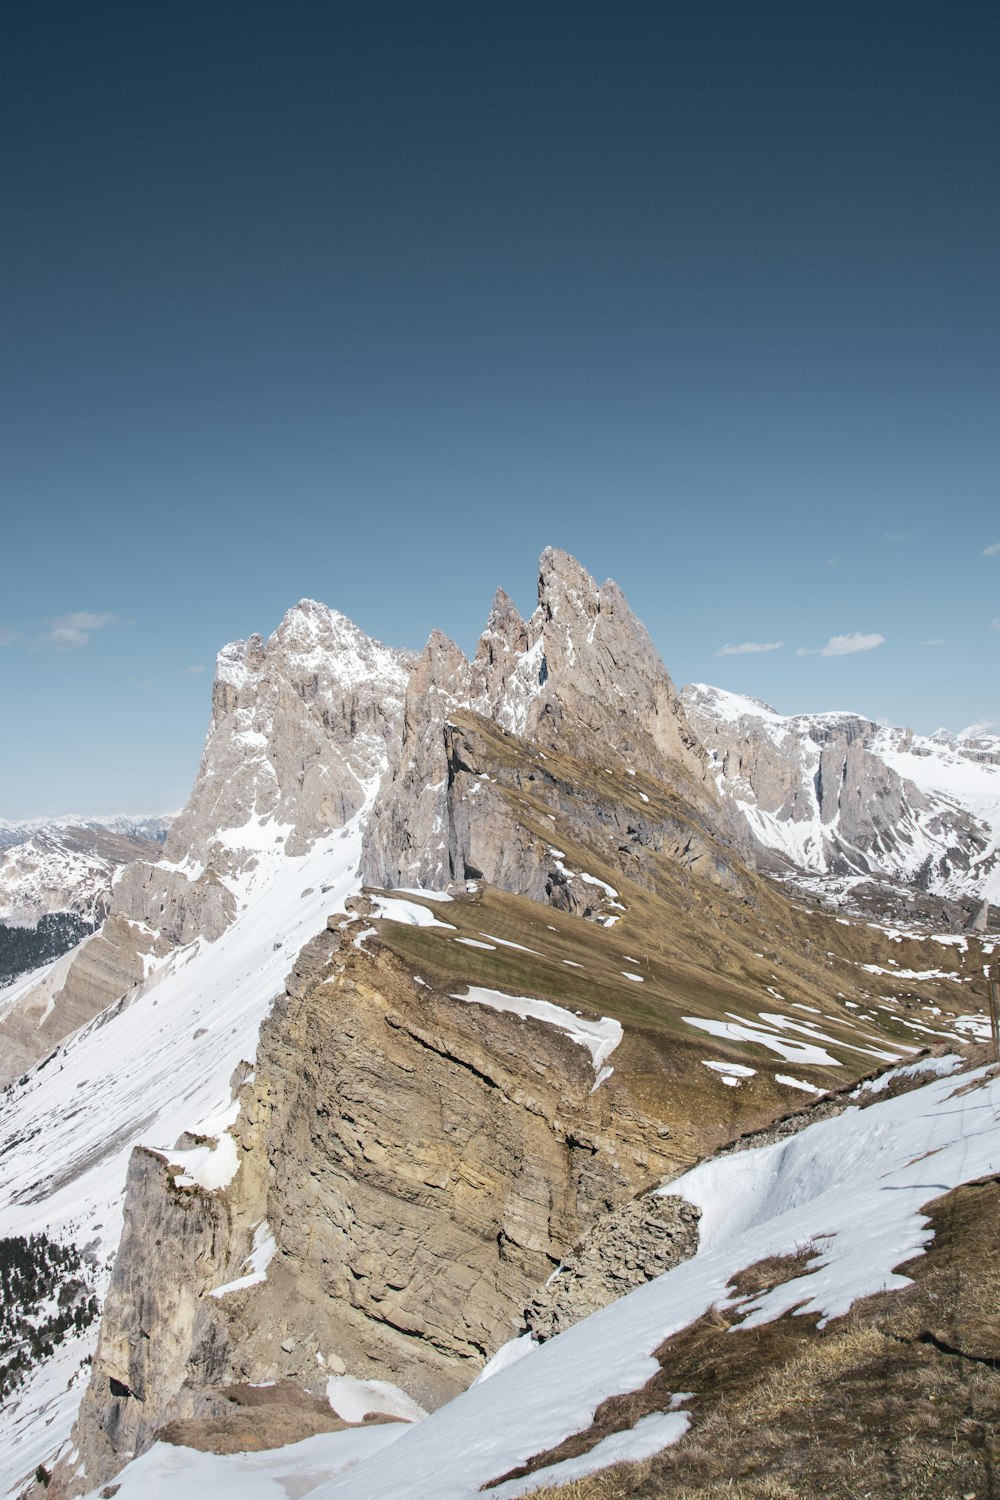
x=836, y=795
x=55, y=881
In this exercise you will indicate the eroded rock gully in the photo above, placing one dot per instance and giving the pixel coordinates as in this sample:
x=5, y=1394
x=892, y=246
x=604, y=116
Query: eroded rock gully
x=423, y=1164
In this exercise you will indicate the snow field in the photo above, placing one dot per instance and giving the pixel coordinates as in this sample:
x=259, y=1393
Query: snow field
x=145, y=1070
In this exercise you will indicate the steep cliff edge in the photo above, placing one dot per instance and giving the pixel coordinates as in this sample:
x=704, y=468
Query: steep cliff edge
x=303, y=726
x=417, y=1166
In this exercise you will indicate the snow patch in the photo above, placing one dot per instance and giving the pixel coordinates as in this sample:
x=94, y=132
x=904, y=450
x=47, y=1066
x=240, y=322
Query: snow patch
x=353, y=1399
x=260, y=1257
x=599, y=1037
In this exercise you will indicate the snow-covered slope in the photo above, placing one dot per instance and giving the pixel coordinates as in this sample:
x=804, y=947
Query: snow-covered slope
x=835, y=794
x=852, y=1189
x=158, y=1064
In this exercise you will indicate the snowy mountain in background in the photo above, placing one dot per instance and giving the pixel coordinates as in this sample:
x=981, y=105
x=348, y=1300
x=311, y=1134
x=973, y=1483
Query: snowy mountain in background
x=150, y=826
x=56, y=876
x=68, y=864
x=834, y=794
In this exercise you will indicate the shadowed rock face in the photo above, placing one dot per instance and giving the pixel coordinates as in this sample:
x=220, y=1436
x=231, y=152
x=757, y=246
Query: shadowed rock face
x=581, y=677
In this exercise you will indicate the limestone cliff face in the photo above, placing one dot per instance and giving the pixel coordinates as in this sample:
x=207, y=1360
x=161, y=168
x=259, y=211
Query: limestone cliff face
x=159, y=1334
x=422, y=1163
x=581, y=678
x=302, y=727
x=299, y=724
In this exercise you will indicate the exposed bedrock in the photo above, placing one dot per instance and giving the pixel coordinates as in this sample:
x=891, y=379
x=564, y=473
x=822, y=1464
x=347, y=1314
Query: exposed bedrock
x=626, y=1247
x=580, y=683
x=422, y=1162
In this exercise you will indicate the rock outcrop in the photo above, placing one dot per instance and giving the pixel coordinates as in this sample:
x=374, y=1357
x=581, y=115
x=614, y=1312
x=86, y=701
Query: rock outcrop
x=581, y=678
x=389, y=1130
x=631, y=1244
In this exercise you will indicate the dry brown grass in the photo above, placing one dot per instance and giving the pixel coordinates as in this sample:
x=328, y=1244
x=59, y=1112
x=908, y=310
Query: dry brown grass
x=702, y=949
x=869, y=1408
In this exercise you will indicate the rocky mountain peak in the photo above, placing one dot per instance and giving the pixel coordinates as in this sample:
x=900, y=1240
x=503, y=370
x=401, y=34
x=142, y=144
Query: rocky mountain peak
x=439, y=682
x=599, y=667
x=580, y=676
x=300, y=724
x=504, y=621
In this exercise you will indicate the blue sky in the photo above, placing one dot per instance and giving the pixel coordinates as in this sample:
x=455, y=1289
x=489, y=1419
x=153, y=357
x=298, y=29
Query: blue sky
x=371, y=302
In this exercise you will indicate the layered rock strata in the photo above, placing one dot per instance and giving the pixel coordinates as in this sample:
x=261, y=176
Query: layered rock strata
x=422, y=1164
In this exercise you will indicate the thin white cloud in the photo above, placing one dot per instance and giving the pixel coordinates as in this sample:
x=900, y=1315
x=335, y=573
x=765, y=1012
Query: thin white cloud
x=7, y=636
x=84, y=620
x=70, y=632
x=895, y=536
x=844, y=645
x=192, y=671
x=991, y=551
x=747, y=648
x=934, y=643
x=995, y=624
